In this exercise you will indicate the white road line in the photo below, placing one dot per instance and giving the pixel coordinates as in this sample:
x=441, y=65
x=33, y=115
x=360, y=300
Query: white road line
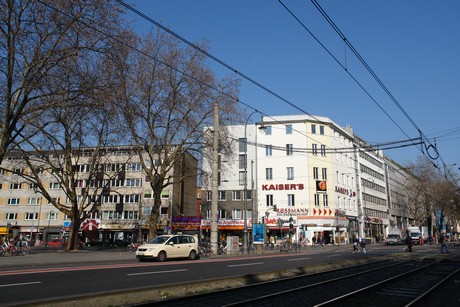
x=21, y=284
x=244, y=264
x=298, y=259
x=157, y=272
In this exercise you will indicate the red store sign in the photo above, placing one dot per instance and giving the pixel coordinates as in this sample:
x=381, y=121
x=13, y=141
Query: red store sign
x=282, y=187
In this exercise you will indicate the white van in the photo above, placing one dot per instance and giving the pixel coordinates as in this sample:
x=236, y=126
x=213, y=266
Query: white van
x=169, y=246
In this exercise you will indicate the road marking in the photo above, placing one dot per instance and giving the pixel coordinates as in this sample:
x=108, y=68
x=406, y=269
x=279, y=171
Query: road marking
x=244, y=264
x=21, y=284
x=298, y=259
x=157, y=272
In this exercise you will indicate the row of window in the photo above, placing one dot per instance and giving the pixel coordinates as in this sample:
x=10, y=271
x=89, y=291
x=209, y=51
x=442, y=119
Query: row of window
x=236, y=195
x=236, y=214
x=54, y=216
x=289, y=129
x=114, y=198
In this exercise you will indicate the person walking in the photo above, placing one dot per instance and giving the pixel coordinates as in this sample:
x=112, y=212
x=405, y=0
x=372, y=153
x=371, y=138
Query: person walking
x=354, y=240
x=313, y=241
x=408, y=241
x=362, y=244
x=272, y=242
x=442, y=240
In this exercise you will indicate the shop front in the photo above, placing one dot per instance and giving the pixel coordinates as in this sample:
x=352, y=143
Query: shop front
x=226, y=228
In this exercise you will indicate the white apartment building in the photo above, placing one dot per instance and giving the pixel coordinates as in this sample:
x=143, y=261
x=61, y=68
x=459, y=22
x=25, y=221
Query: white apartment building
x=306, y=177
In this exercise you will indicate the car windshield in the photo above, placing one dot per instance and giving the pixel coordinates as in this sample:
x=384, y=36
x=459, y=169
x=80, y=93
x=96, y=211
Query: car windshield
x=393, y=237
x=159, y=240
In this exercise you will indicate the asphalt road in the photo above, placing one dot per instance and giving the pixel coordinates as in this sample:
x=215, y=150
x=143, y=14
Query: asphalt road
x=50, y=274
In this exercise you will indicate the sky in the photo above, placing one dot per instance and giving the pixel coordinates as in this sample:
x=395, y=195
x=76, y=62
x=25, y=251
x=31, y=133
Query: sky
x=411, y=46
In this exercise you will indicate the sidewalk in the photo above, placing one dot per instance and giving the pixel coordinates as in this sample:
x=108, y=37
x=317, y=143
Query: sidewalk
x=58, y=256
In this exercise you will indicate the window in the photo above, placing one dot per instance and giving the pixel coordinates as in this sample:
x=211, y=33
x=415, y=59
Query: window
x=269, y=199
x=15, y=186
x=288, y=129
x=314, y=149
x=315, y=173
x=289, y=149
x=290, y=173
x=291, y=202
x=268, y=150
x=323, y=150
x=135, y=198
x=33, y=201
x=148, y=194
x=222, y=195
x=242, y=145
x=133, y=182
x=12, y=216
x=269, y=173
x=222, y=214
x=321, y=130
x=31, y=216
x=13, y=201
x=133, y=167
x=54, y=185
x=51, y=216
x=316, y=200
x=248, y=194
x=242, y=161
x=241, y=178
x=208, y=214
x=325, y=201
x=268, y=130
x=313, y=129
x=324, y=173
x=165, y=194
x=236, y=195
x=163, y=210
x=237, y=214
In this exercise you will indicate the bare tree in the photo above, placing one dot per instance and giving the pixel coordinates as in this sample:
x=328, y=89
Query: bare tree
x=166, y=94
x=36, y=37
x=55, y=98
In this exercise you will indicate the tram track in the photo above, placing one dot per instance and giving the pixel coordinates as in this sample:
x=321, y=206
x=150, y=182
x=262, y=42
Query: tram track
x=381, y=283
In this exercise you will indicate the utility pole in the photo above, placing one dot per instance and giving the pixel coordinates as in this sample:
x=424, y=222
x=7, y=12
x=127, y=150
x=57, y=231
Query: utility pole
x=214, y=176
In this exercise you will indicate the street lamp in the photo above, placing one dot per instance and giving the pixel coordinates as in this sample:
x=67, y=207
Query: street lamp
x=51, y=213
x=245, y=214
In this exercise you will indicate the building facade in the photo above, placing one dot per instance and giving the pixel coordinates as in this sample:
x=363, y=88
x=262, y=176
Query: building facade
x=306, y=177
x=123, y=207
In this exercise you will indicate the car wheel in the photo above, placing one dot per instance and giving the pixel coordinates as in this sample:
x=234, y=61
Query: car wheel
x=161, y=256
x=192, y=255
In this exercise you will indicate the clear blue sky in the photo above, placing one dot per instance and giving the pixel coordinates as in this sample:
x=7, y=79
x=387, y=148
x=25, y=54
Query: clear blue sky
x=413, y=46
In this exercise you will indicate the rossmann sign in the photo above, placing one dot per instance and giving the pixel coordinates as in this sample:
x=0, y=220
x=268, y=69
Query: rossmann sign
x=283, y=187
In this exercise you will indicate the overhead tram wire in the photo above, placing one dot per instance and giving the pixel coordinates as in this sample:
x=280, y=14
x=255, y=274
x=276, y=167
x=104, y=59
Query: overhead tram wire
x=234, y=70
x=127, y=6
x=169, y=66
x=343, y=67
x=368, y=68
x=382, y=85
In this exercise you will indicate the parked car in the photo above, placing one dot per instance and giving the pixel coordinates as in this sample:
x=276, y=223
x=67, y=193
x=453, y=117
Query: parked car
x=53, y=242
x=169, y=246
x=393, y=239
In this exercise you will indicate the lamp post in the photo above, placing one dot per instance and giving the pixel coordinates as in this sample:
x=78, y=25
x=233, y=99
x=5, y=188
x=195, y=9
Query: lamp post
x=51, y=213
x=245, y=214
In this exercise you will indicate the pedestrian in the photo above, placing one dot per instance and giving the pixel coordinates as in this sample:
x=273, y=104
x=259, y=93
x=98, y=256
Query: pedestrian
x=354, y=240
x=272, y=242
x=442, y=240
x=408, y=241
x=313, y=242
x=362, y=244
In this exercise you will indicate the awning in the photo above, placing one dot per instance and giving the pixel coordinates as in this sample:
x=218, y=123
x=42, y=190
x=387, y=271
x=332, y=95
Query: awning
x=3, y=230
x=90, y=225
